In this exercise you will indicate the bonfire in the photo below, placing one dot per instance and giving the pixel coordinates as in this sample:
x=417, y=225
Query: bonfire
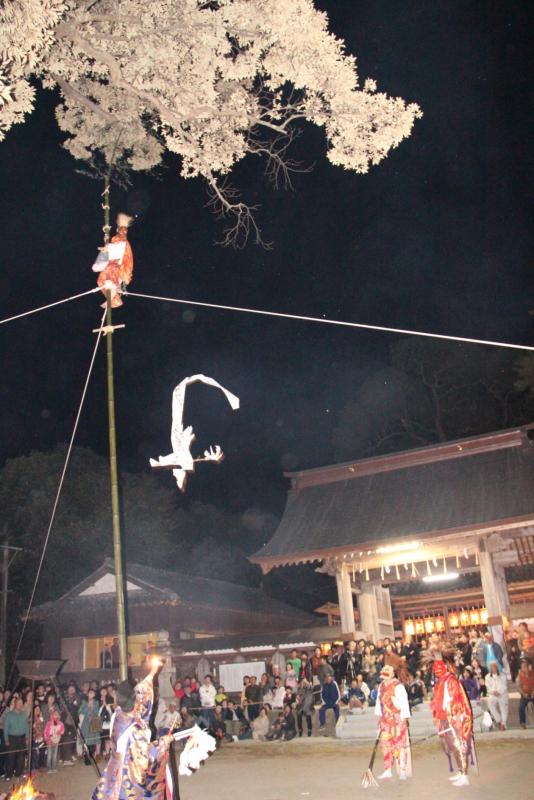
x=26, y=791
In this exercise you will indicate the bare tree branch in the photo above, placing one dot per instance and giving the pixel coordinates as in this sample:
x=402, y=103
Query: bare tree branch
x=222, y=201
x=82, y=99
x=279, y=166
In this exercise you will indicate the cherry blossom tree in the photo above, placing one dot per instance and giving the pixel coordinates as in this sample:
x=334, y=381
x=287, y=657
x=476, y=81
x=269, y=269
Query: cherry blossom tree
x=210, y=81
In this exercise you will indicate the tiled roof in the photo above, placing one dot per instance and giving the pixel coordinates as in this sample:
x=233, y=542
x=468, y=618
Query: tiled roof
x=444, y=488
x=160, y=585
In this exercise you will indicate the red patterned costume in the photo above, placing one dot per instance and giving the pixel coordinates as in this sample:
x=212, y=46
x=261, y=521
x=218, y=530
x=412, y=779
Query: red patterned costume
x=117, y=271
x=394, y=711
x=453, y=717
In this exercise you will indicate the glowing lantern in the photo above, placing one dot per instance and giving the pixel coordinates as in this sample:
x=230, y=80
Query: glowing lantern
x=429, y=625
x=453, y=619
x=409, y=627
x=440, y=624
x=419, y=626
x=464, y=618
x=483, y=616
x=475, y=617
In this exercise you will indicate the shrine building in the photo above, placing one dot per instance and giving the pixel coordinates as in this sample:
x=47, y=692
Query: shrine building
x=444, y=532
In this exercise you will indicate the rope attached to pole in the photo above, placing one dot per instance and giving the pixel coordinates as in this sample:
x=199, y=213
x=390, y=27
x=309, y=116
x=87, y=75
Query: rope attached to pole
x=57, y=498
x=49, y=305
x=340, y=323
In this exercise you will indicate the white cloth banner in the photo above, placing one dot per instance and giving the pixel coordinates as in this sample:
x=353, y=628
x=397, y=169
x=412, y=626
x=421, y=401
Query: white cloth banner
x=231, y=675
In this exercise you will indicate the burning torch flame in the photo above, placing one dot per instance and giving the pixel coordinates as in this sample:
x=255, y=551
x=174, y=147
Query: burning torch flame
x=26, y=791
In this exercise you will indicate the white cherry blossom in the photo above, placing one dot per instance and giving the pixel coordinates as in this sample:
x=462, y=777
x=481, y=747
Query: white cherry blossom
x=209, y=81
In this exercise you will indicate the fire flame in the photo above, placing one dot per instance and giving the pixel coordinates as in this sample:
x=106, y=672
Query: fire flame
x=26, y=791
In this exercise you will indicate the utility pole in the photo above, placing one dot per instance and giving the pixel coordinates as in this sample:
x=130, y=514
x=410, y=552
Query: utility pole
x=6, y=563
x=113, y=471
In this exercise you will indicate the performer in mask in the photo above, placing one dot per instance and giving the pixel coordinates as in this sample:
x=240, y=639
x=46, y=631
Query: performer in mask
x=452, y=711
x=394, y=711
x=115, y=262
x=139, y=769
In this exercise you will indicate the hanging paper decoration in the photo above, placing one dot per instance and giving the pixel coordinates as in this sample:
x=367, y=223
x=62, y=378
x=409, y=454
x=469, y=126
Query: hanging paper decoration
x=366, y=574
x=397, y=571
x=476, y=558
x=428, y=570
x=382, y=573
x=181, y=460
x=415, y=573
x=444, y=565
x=457, y=561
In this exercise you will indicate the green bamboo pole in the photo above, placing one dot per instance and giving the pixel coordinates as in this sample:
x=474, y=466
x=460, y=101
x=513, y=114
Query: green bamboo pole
x=113, y=471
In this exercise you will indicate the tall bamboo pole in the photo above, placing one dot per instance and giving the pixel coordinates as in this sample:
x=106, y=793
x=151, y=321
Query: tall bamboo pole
x=3, y=615
x=113, y=471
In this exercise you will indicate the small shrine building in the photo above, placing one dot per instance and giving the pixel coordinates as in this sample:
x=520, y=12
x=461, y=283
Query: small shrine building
x=454, y=514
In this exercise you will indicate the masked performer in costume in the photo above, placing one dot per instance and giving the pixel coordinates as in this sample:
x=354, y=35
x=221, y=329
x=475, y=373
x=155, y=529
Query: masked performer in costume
x=139, y=769
x=115, y=262
x=452, y=711
x=394, y=711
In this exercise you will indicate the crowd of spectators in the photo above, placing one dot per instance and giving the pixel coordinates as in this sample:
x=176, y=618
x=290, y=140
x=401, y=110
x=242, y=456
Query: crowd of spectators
x=283, y=703
x=74, y=722
x=66, y=724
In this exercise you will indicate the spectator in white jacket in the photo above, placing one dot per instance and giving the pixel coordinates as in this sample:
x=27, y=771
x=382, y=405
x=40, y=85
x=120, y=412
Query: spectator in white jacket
x=279, y=693
x=207, y=694
x=497, y=688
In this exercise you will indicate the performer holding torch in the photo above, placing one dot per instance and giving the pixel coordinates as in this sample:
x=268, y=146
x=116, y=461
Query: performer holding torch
x=139, y=769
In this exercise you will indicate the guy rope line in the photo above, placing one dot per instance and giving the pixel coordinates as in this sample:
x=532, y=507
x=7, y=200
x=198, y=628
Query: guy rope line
x=341, y=323
x=50, y=305
x=58, y=495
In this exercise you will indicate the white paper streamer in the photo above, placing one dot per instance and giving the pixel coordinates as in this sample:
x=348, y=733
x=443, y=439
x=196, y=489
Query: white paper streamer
x=181, y=461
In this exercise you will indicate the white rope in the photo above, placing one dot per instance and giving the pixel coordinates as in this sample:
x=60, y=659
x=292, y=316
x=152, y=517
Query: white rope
x=50, y=305
x=341, y=323
x=58, y=493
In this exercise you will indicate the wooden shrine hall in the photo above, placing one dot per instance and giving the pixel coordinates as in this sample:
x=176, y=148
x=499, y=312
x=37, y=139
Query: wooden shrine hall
x=432, y=514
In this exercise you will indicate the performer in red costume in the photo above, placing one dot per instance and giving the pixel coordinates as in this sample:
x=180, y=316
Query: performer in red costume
x=394, y=711
x=452, y=711
x=115, y=262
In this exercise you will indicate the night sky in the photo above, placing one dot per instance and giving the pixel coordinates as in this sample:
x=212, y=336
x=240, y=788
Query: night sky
x=436, y=237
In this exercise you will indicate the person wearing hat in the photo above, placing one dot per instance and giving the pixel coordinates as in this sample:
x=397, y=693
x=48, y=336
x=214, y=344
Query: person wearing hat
x=394, y=711
x=115, y=263
x=137, y=767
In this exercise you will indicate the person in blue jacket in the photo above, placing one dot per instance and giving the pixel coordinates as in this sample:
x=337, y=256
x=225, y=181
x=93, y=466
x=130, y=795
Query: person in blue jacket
x=330, y=695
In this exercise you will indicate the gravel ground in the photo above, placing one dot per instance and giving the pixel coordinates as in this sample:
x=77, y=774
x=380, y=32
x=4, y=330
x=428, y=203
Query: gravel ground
x=327, y=769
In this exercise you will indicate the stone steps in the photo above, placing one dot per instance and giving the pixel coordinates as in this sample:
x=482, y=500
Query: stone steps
x=364, y=726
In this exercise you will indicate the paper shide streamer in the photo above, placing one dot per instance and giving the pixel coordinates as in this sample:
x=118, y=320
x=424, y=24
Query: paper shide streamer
x=181, y=460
